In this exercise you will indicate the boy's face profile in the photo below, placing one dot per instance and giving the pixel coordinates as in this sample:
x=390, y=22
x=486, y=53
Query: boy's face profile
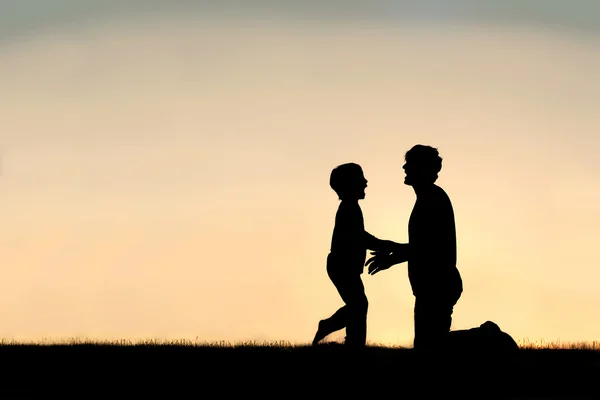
x=357, y=185
x=362, y=182
x=349, y=181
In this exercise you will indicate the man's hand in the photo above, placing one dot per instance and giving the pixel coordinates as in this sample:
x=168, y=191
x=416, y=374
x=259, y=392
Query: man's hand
x=384, y=259
x=386, y=246
x=379, y=262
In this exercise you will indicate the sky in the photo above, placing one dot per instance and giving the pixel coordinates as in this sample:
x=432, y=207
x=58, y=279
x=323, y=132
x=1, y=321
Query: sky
x=165, y=168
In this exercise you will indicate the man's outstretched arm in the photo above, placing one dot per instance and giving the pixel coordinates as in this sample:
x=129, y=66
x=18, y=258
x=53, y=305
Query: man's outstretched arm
x=374, y=243
x=400, y=254
x=383, y=260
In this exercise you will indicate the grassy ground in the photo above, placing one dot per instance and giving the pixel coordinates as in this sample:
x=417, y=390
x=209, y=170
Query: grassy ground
x=284, y=370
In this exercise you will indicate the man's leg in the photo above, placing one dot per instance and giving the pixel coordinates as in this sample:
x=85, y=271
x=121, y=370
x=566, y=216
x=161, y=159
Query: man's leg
x=433, y=319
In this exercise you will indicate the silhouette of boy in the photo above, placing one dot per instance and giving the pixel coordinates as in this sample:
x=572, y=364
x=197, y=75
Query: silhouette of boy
x=431, y=252
x=346, y=259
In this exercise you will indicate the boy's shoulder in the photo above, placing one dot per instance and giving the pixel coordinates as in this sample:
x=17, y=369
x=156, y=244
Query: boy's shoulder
x=349, y=205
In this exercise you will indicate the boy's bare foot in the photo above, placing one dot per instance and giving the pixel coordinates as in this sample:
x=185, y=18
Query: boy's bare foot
x=321, y=333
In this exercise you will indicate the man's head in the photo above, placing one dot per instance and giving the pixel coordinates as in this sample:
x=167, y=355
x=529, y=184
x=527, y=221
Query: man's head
x=423, y=163
x=348, y=181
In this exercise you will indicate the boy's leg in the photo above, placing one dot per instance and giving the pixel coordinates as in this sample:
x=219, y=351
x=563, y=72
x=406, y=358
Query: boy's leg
x=353, y=294
x=340, y=318
x=334, y=323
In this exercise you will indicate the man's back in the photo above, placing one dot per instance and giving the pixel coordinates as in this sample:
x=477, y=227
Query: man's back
x=432, y=237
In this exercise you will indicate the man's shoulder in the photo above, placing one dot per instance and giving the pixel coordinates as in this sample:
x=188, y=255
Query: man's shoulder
x=440, y=194
x=439, y=198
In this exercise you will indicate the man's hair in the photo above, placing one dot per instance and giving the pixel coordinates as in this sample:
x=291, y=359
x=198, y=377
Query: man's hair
x=343, y=176
x=426, y=158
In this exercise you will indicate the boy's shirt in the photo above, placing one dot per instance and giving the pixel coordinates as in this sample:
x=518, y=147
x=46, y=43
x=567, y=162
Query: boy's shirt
x=350, y=241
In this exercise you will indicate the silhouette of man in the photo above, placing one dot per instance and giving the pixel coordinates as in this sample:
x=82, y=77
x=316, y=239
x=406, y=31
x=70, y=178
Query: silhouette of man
x=431, y=250
x=346, y=259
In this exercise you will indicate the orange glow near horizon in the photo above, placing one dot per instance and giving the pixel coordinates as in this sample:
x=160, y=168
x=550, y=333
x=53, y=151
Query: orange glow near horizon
x=171, y=180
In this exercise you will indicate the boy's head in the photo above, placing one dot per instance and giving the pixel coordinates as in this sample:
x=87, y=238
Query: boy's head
x=348, y=181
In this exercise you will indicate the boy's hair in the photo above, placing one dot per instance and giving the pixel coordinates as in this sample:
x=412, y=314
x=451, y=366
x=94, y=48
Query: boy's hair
x=342, y=177
x=427, y=158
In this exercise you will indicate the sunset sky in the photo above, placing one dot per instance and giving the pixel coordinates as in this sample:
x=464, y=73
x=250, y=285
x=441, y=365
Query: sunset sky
x=165, y=169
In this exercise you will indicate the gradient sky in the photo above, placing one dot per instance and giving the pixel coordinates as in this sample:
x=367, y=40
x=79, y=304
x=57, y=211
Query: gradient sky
x=165, y=168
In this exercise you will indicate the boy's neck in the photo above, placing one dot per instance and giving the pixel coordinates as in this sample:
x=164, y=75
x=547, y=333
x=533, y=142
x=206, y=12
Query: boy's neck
x=350, y=200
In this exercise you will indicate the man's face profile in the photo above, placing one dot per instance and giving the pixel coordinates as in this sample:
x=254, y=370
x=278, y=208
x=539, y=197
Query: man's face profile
x=409, y=171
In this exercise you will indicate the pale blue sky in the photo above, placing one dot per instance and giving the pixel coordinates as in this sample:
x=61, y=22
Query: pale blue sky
x=19, y=17
x=155, y=164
